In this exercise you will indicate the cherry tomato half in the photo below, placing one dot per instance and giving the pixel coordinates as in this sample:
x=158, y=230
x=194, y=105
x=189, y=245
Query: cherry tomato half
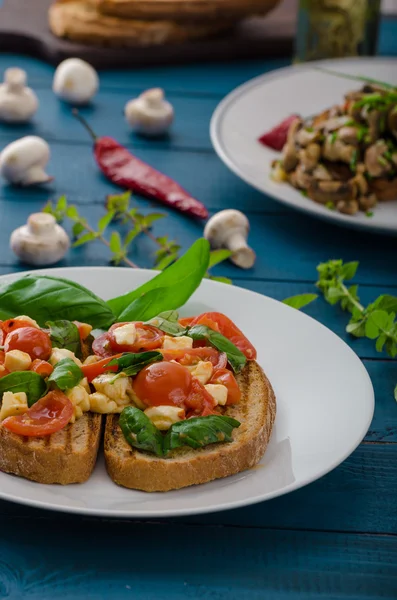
x=191, y=356
x=101, y=346
x=163, y=383
x=42, y=367
x=99, y=367
x=199, y=401
x=227, y=328
x=31, y=340
x=226, y=377
x=48, y=415
x=84, y=329
x=147, y=338
x=13, y=324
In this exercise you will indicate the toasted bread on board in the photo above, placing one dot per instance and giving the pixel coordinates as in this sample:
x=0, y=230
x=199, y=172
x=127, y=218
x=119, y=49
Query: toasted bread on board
x=67, y=456
x=80, y=21
x=256, y=411
x=186, y=10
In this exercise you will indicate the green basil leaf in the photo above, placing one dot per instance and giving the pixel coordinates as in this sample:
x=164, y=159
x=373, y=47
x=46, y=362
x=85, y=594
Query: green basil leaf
x=145, y=307
x=236, y=358
x=46, y=298
x=66, y=374
x=29, y=382
x=300, y=301
x=130, y=363
x=177, y=283
x=140, y=432
x=168, y=322
x=65, y=334
x=200, y=431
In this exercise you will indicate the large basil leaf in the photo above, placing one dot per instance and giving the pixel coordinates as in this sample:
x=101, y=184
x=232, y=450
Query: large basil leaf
x=50, y=298
x=140, y=432
x=168, y=322
x=65, y=334
x=199, y=432
x=236, y=358
x=130, y=364
x=24, y=381
x=66, y=374
x=144, y=307
x=177, y=283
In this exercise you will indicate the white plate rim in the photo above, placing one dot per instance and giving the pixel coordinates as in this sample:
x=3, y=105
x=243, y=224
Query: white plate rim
x=219, y=147
x=132, y=514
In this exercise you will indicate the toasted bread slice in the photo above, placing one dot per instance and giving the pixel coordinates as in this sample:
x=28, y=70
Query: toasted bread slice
x=185, y=466
x=80, y=21
x=67, y=456
x=186, y=10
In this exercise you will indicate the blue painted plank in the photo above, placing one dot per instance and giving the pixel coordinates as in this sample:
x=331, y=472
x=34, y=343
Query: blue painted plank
x=150, y=561
x=357, y=497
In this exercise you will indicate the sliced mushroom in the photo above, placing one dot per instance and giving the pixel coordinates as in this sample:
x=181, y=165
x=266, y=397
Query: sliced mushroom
x=367, y=202
x=321, y=173
x=377, y=165
x=331, y=191
x=384, y=188
x=361, y=183
x=306, y=136
x=374, y=119
x=300, y=178
x=347, y=207
x=290, y=152
x=336, y=150
x=310, y=156
x=348, y=135
x=392, y=121
x=335, y=123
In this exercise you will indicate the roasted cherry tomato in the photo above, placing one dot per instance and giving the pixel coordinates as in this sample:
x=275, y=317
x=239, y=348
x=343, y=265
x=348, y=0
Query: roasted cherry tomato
x=13, y=324
x=226, y=377
x=101, y=346
x=163, y=383
x=99, y=367
x=84, y=329
x=227, y=328
x=42, y=367
x=48, y=415
x=147, y=338
x=199, y=401
x=185, y=321
x=31, y=340
x=191, y=356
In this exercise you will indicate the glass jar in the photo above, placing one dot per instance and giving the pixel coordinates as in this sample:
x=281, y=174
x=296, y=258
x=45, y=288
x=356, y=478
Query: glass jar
x=336, y=28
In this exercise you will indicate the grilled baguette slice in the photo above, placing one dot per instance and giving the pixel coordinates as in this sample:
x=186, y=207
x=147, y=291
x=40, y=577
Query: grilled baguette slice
x=185, y=466
x=67, y=456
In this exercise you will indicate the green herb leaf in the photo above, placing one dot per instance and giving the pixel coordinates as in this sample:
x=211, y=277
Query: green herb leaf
x=77, y=228
x=140, y=432
x=174, y=286
x=168, y=322
x=46, y=298
x=349, y=270
x=199, y=432
x=115, y=242
x=131, y=235
x=218, y=256
x=221, y=279
x=131, y=363
x=236, y=358
x=105, y=221
x=300, y=301
x=66, y=374
x=118, y=202
x=29, y=382
x=72, y=212
x=65, y=334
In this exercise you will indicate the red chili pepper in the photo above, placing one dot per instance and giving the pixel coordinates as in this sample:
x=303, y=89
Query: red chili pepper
x=123, y=168
x=277, y=137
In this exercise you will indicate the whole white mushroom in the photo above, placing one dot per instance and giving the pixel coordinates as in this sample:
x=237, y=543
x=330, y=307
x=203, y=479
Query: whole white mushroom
x=229, y=229
x=75, y=81
x=23, y=162
x=18, y=103
x=41, y=241
x=150, y=114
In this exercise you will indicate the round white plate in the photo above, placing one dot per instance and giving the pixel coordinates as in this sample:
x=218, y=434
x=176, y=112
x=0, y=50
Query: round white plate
x=258, y=105
x=325, y=406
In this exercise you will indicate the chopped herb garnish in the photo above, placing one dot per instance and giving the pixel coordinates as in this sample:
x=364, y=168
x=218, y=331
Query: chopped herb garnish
x=369, y=213
x=353, y=161
x=304, y=193
x=382, y=161
x=330, y=205
x=361, y=133
x=382, y=123
x=309, y=129
x=333, y=137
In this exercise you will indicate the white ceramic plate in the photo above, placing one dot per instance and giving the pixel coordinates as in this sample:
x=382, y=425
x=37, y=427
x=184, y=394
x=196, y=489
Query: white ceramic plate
x=258, y=105
x=325, y=406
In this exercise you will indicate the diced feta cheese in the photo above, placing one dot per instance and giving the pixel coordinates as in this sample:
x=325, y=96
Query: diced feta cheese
x=80, y=399
x=16, y=360
x=90, y=360
x=13, y=404
x=202, y=371
x=125, y=335
x=163, y=417
x=100, y=403
x=117, y=388
x=177, y=343
x=61, y=353
x=218, y=392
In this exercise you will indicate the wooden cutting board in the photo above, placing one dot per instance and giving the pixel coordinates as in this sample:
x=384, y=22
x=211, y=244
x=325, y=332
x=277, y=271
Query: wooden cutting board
x=24, y=29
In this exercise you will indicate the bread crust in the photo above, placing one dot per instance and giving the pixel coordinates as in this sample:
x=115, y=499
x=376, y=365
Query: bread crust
x=80, y=21
x=186, y=10
x=133, y=469
x=68, y=456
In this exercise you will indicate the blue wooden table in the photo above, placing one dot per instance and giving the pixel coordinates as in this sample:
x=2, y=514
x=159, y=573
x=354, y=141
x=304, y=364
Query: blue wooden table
x=333, y=539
